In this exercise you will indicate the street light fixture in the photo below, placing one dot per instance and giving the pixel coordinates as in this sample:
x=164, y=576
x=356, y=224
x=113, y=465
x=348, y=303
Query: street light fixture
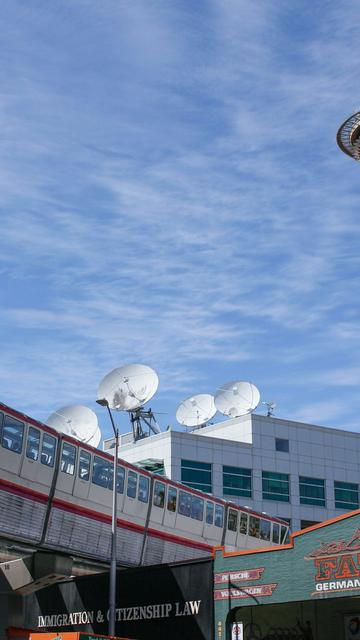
x=112, y=583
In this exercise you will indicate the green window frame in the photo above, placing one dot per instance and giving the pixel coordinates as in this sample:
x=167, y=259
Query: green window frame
x=237, y=481
x=197, y=475
x=275, y=486
x=346, y=495
x=312, y=491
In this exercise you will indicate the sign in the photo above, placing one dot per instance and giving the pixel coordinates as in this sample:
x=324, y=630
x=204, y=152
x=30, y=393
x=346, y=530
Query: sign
x=246, y=592
x=237, y=631
x=238, y=576
x=337, y=565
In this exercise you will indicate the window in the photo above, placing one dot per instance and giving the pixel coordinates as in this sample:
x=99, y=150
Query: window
x=209, y=512
x=346, y=495
x=84, y=465
x=131, y=484
x=276, y=533
x=312, y=491
x=232, y=520
x=68, y=457
x=33, y=444
x=12, y=434
x=282, y=445
x=285, y=537
x=236, y=481
x=304, y=524
x=48, y=450
x=254, y=527
x=159, y=494
x=196, y=475
x=197, y=508
x=120, y=479
x=243, y=523
x=184, y=503
x=171, y=499
x=275, y=486
x=264, y=529
x=219, y=515
x=143, y=493
x=102, y=472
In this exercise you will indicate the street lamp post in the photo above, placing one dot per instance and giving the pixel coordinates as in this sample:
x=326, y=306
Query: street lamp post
x=112, y=582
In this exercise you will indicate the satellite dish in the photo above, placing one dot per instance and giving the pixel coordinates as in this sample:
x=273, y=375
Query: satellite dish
x=128, y=388
x=237, y=398
x=76, y=421
x=196, y=410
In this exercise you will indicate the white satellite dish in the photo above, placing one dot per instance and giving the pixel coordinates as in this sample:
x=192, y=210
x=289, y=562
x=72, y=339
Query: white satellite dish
x=128, y=388
x=76, y=421
x=237, y=398
x=196, y=410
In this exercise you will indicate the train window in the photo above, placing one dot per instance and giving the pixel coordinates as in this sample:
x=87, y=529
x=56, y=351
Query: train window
x=244, y=523
x=12, y=434
x=284, y=534
x=171, y=499
x=143, y=493
x=264, y=529
x=219, y=515
x=209, y=512
x=102, y=472
x=33, y=444
x=276, y=533
x=1, y=423
x=120, y=479
x=232, y=520
x=254, y=527
x=131, y=484
x=159, y=494
x=48, y=450
x=184, y=503
x=68, y=457
x=84, y=465
x=197, y=508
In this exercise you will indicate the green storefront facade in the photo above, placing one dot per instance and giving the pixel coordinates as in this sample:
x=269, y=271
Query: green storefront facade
x=306, y=590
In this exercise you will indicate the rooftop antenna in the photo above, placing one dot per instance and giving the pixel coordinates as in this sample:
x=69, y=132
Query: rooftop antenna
x=76, y=421
x=128, y=388
x=238, y=398
x=194, y=412
x=271, y=406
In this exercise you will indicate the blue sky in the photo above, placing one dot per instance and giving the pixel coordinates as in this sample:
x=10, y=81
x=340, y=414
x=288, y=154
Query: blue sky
x=172, y=193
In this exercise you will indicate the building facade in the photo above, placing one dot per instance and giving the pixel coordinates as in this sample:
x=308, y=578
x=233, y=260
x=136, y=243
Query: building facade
x=300, y=472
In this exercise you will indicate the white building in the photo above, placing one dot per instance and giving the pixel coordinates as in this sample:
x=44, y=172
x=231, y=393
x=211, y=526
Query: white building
x=300, y=472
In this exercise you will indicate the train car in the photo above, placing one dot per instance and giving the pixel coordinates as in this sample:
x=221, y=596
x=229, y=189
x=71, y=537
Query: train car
x=56, y=493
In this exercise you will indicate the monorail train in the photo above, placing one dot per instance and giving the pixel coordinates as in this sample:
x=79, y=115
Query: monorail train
x=56, y=492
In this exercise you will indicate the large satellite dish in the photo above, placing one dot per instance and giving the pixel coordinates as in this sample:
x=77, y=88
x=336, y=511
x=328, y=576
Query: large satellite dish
x=196, y=410
x=237, y=398
x=76, y=421
x=128, y=388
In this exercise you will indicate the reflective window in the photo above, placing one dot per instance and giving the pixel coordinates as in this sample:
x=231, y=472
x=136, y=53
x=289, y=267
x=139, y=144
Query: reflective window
x=33, y=444
x=84, y=465
x=120, y=479
x=102, y=472
x=236, y=481
x=171, y=499
x=12, y=434
x=159, y=494
x=197, y=508
x=254, y=527
x=275, y=486
x=210, y=512
x=196, y=475
x=346, y=495
x=219, y=515
x=312, y=491
x=232, y=520
x=285, y=537
x=265, y=526
x=244, y=523
x=281, y=444
x=48, y=450
x=143, y=492
x=276, y=533
x=132, y=484
x=184, y=503
x=68, y=457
